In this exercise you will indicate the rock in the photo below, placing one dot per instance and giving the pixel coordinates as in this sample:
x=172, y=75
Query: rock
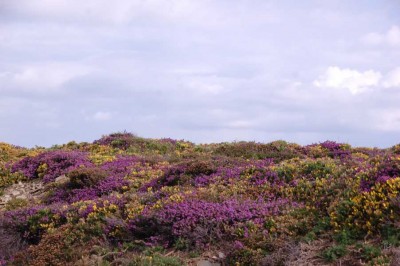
x=15, y=193
x=62, y=179
x=22, y=190
x=221, y=255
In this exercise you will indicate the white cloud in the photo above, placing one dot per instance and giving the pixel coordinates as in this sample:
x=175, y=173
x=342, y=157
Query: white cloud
x=205, y=84
x=205, y=88
x=392, y=79
x=90, y=10
x=121, y=12
x=387, y=119
x=102, y=116
x=199, y=69
x=354, y=81
x=241, y=124
x=373, y=38
x=44, y=77
x=391, y=37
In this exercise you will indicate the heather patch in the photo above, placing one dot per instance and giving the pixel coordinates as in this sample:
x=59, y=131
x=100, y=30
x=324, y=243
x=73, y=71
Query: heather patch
x=125, y=199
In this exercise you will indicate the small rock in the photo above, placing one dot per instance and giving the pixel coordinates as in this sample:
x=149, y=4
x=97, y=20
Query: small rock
x=62, y=179
x=221, y=255
x=15, y=193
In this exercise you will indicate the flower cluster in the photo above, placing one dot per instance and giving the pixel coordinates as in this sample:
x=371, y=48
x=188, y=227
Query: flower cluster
x=33, y=222
x=201, y=220
x=87, y=183
x=117, y=140
x=370, y=210
x=49, y=165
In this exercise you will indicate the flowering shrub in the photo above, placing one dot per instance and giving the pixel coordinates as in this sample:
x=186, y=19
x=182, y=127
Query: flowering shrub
x=49, y=165
x=379, y=170
x=329, y=148
x=86, y=177
x=278, y=151
x=87, y=183
x=201, y=221
x=254, y=203
x=8, y=178
x=32, y=222
x=52, y=250
x=136, y=145
x=116, y=140
x=368, y=211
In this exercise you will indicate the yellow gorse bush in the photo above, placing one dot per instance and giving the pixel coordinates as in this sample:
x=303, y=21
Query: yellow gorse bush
x=94, y=210
x=100, y=154
x=369, y=210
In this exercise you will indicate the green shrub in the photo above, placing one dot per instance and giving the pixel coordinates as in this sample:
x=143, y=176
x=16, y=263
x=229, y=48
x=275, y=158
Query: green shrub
x=333, y=253
x=244, y=256
x=16, y=204
x=86, y=177
x=369, y=252
x=344, y=237
x=182, y=244
x=278, y=151
x=391, y=235
x=155, y=260
x=195, y=168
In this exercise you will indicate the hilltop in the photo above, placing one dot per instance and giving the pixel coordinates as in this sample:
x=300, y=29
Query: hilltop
x=128, y=200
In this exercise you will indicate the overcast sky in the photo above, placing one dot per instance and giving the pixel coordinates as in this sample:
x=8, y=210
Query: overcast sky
x=200, y=70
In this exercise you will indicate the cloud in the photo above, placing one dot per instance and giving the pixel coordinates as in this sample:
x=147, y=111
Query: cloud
x=354, y=81
x=387, y=119
x=241, y=124
x=392, y=79
x=42, y=77
x=102, y=116
x=357, y=82
x=391, y=37
x=205, y=85
x=201, y=70
x=205, y=13
x=373, y=38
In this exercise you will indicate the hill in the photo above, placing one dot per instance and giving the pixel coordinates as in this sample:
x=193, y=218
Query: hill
x=127, y=200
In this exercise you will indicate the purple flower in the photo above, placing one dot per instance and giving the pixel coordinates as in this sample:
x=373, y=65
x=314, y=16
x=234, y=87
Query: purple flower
x=56, y=163
x=115, y=171
x=117, y=140
x=196, y=220
x=383, y=179
x=238, y=245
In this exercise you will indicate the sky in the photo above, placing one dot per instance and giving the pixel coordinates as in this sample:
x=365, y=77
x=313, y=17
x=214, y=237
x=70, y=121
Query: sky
x=200, y=70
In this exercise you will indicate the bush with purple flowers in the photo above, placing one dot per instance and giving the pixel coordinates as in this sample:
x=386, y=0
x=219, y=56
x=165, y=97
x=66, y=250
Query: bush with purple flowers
x=51, y=164
x=202, y=222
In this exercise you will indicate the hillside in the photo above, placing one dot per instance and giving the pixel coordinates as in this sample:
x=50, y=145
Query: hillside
x=127, y=200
